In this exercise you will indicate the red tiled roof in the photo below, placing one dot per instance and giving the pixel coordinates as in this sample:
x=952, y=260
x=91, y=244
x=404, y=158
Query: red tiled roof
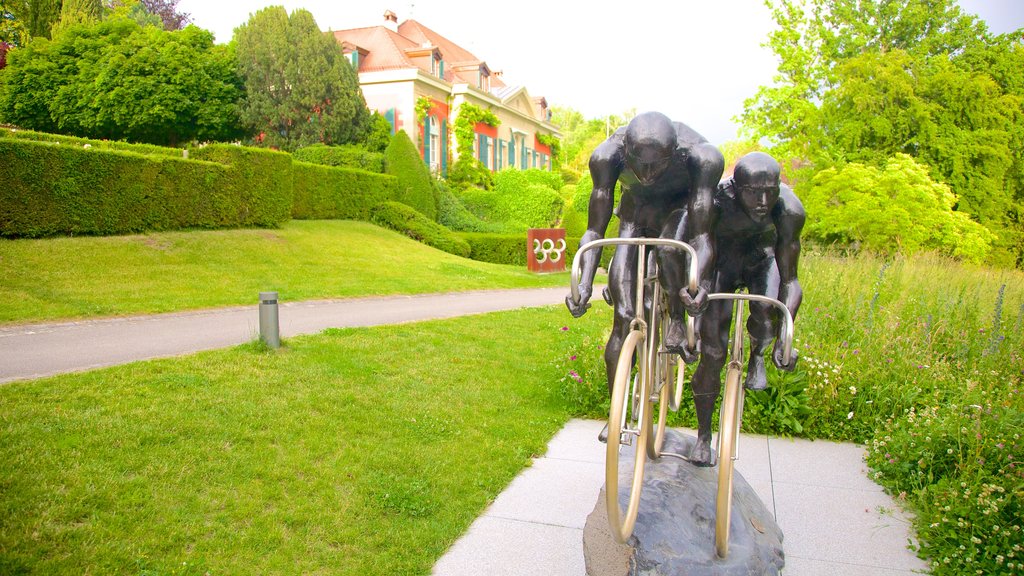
x=387, y=51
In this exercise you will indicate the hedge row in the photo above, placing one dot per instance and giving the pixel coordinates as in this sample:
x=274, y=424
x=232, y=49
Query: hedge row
x=407, y=220
x=323, y=192
x=345, y=156
x=49, y=189
x=511, y=249
x=146, y=149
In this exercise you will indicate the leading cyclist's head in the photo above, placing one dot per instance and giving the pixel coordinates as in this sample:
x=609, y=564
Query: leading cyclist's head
x=650, y=142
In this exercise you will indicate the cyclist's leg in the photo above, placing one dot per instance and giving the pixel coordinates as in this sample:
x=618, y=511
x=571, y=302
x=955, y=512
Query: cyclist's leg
x=707, y=380
x=673, y=265
x=763, y=279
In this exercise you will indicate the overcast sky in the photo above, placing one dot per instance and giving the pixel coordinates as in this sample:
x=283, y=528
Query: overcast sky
x=694, y=60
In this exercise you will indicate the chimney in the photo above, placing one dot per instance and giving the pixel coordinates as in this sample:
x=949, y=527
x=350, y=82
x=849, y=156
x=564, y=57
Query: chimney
x=391, y=20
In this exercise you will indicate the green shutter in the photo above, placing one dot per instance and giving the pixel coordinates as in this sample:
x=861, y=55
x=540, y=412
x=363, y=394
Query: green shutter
x=390, y=117
x=426, y=140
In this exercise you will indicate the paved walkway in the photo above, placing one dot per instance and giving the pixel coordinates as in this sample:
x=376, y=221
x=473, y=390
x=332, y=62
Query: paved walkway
x=835, y=520
x=37, y=350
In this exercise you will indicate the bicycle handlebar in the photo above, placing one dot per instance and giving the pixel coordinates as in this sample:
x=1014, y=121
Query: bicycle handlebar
x=787, y=318
x=575, y=278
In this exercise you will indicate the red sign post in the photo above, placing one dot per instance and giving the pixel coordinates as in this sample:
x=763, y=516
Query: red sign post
x=545, y=250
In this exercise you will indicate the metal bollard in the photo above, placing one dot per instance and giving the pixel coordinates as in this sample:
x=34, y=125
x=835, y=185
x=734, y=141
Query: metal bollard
x=269, y=327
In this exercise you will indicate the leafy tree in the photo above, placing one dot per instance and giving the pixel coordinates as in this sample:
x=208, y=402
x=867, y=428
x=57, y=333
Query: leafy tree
x=895, y=208
x=77, y=12
x=12, y=31
x=167, y=11
x=37, y=17
x=117, y=80
x=581, y=136
x=300, y=89
x=864, y=81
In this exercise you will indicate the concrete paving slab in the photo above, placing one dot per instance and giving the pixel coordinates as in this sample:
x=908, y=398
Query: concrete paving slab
x=820, y=463
x=840, y=525
x=578, y=441
x=551, y=491
x=500, y=547
x=796, y=566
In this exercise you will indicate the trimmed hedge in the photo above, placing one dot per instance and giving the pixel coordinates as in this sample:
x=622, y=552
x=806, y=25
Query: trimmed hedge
x=511, y=248
x=325, y=192
x=346, y=156
x=415, y=184
x=575, y=215
x=48, y=189
x=146, y=149
x=454, y=215
x=402, y=218
x=497, y=248
x=264, y=178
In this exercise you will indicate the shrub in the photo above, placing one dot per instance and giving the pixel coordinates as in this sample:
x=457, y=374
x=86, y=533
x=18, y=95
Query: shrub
x=468, y=172
x=575, y=215
x=324, y=192
x=497, y=248
x=415, y=184
x=402, y=218
x=346, y=155
x=454, y=215
x=49, y=189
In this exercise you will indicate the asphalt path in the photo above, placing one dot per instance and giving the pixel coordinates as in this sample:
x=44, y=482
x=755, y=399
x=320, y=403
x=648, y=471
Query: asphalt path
x=37, y=350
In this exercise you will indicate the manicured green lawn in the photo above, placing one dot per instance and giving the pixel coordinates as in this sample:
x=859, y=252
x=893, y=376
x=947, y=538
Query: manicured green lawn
x=169, y=271
x=356, y=451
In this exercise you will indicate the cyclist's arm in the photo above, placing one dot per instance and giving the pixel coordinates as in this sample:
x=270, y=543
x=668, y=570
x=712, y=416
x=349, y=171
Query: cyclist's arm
x=789, y=219
x=605, y=166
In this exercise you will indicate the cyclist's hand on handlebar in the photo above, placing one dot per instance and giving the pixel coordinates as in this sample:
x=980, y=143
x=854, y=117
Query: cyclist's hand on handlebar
x=695, y=305
x=777, y=354
x=578, y=309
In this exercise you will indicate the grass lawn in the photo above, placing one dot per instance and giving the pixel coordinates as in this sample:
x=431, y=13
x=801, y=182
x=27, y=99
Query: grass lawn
x=162, y=272
x=333, y=455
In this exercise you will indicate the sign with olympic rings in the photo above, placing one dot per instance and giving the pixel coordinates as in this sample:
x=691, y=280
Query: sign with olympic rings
x=545, y=249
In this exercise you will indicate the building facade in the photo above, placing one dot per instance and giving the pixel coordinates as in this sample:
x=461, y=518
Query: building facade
x=420, y=80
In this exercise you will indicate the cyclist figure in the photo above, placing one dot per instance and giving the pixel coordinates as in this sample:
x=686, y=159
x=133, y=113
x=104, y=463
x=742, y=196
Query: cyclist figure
x=757, y=233
x=668, y=174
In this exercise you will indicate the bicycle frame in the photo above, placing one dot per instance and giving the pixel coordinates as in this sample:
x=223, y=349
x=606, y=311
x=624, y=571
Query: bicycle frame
x=643, y=244
x=736, y=350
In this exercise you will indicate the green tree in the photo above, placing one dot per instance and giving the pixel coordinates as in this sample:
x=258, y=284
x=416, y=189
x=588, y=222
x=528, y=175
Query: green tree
x=863, y=81
x=74, y=12
x=117, y=80
x=299, y=87
x=36, y=17
x=894, y=208
x=415, y=184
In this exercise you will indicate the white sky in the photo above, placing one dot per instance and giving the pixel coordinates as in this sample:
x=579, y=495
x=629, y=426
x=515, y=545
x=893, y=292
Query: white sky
x=694, y=60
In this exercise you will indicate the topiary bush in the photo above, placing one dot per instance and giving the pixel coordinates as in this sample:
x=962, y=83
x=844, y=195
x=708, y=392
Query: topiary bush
x=415, y=184
x=497, y=248
x=50, y=189
x=575, y=215
x=346, y=155
x=326, y=192
x=264, y=178
x=400, y=217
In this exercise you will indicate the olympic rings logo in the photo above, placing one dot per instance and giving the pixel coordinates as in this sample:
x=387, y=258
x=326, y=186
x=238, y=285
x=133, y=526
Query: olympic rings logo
x=548, y=250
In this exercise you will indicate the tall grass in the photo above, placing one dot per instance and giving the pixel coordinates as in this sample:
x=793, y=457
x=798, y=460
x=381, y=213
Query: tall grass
x=922, y=359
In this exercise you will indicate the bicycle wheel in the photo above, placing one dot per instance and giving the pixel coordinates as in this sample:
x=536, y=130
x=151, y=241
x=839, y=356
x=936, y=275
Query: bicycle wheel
x=626, y=428
x=727, y=431
x=657, y=375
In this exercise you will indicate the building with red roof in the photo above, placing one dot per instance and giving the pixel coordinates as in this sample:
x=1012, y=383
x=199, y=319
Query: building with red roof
x=402, y=65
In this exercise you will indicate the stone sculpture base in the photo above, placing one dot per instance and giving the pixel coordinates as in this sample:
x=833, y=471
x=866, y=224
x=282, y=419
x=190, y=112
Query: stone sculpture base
x=675, y=530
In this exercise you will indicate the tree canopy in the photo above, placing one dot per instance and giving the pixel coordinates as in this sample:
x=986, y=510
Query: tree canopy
x=300, y=89
x=120, y=81
x=864, y=82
